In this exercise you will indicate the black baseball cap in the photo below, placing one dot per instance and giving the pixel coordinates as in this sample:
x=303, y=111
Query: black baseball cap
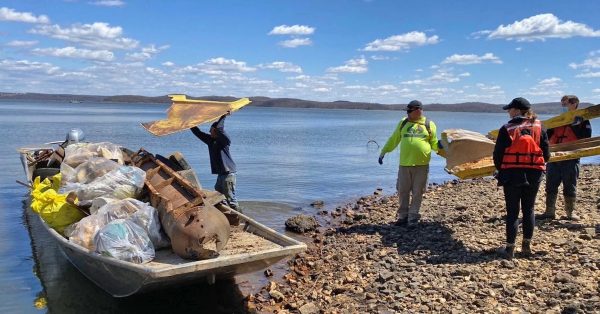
x=415, y=104
x=518, y=103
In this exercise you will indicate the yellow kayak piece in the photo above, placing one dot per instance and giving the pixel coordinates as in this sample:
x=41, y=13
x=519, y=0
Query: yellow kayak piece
x=566, y=118
x=186, y=113
x=485, y=166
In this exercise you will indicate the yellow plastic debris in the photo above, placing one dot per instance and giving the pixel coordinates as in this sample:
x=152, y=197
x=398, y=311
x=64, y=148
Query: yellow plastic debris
x=52, y=206
x=186, y=113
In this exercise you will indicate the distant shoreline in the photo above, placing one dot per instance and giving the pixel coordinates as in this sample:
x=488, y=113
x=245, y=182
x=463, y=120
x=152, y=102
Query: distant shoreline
x=259, y=101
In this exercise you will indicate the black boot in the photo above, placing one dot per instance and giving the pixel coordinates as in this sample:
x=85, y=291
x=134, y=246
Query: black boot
x=570, y=208
x=526, y=248
x=550, y=212
x=507, y=252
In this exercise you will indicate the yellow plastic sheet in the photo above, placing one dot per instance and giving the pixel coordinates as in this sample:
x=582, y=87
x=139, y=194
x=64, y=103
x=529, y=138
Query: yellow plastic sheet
x=186, y=113
x=52, y=206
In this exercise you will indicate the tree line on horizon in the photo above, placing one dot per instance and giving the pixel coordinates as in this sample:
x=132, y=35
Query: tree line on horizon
x=260, y=101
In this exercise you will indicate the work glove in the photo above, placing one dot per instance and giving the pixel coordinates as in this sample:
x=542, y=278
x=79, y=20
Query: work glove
x=381, y=159
x=577, y=120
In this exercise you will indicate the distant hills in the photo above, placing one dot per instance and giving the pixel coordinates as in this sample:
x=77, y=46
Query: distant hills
x=258, y=101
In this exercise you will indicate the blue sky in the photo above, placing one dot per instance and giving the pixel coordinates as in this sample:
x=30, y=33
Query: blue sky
x=356, y=50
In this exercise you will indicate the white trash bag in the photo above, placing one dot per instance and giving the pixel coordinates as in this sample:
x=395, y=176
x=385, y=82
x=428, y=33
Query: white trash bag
x=124, y=240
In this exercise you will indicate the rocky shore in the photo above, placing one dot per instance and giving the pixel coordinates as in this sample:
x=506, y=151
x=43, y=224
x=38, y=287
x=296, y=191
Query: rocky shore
x=359, y=262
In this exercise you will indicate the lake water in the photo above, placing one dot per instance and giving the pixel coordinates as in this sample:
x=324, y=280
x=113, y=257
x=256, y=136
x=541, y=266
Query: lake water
x=290, y=156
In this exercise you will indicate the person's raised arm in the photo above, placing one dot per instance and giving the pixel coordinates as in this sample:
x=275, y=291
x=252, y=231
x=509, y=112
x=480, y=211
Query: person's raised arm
x=204, y=137
x=222, y=137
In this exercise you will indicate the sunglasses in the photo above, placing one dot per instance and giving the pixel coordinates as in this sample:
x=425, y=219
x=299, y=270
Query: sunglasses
x=413, y=109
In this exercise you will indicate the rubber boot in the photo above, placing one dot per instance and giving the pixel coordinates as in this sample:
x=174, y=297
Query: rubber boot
x=507, y=252
x=550, y=212
x=570, y=208
x=526, y=247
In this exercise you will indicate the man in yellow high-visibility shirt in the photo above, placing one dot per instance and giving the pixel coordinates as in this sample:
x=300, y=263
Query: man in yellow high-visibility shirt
x=417, y=138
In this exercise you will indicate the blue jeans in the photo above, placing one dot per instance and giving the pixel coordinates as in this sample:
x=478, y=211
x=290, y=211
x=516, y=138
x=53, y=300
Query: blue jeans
x=226, y=185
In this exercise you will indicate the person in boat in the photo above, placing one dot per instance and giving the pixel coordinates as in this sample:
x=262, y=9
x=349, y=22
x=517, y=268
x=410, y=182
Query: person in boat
x=566, y=171
x=417, y=137
x=221, y=162
x=520, y=156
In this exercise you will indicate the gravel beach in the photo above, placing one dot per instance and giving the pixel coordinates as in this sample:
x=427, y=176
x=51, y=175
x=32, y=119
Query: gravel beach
x=359, y=262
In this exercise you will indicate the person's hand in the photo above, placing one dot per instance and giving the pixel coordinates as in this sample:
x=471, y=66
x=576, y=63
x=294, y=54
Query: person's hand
x=228, y=113
x=577, y=120
x=381, y=159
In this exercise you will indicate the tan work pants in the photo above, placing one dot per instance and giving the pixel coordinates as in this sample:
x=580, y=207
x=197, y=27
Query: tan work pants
x=411, y=179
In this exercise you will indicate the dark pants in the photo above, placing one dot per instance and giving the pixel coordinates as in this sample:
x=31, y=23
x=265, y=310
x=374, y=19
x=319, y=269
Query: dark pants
x=565, y=172
x=520, y=197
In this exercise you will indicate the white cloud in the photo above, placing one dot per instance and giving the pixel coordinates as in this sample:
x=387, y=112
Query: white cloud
x=541, y=27
x=472, y=59
x=217, y=66
x=75, y=53
x=28, y=66
x=168, y=64
x=22, y=43
x=553, y=81
x=443, y=77
x=519, y=49
x=109, y=3
x=413, y=82
x=146, y=53
x=351, y=66
x=97, y=35
x=357, y=87
x=321, y=89
x=550, y=87
x=588, y=75
x=299, y=78
x=596, y=90
x=296, y=42
x=7, y=14
x=378, y=58
x=401, y=42
x=282, y=67
x=386, y=87
x=489, y=88
x=292, y=30
x=590, y=63
x=465, y=74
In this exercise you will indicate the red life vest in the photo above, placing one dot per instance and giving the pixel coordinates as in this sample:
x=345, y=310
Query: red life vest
x=524, y=151
x=563, y=134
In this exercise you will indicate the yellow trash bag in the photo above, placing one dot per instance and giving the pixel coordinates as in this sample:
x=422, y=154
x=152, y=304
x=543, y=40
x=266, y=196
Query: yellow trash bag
x=52, y=206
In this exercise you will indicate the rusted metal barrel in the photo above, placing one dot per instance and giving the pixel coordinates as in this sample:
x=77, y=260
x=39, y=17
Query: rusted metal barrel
x=197, y=229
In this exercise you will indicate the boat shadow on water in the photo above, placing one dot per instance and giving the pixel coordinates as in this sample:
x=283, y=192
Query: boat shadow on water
x=66, y=290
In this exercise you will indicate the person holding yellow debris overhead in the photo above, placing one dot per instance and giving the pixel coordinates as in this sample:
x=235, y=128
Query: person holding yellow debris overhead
x=520, y=156
x=417, y=137
x=566, y=171
x=221, y=162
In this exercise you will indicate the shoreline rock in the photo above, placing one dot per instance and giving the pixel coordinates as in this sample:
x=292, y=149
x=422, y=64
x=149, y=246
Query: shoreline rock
x=447, y=263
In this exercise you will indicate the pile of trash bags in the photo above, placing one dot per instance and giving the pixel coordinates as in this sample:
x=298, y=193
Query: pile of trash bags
x=119, y=225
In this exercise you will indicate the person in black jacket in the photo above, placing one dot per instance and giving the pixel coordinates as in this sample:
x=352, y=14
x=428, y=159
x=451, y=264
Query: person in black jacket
x=221, y=162
x=566, y=171
x=520, y=156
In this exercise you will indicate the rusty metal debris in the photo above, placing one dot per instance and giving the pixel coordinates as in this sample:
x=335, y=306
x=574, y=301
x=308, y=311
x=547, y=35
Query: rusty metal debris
x=197, y=229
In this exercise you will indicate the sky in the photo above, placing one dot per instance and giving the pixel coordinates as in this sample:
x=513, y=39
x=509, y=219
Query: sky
x=355, y=50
